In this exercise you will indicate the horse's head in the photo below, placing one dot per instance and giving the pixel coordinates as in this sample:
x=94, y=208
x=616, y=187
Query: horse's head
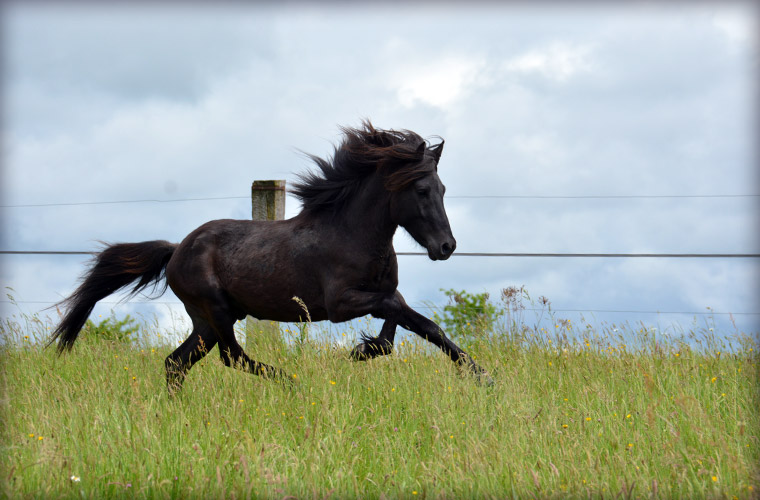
x=418, y=207
x=398, y=162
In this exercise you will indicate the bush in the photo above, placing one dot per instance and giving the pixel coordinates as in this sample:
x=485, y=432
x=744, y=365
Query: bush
x=468, y=314
x=110, y=329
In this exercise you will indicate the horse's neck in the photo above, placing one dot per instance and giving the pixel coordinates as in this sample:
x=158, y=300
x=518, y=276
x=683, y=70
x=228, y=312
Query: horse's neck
x=368, y=215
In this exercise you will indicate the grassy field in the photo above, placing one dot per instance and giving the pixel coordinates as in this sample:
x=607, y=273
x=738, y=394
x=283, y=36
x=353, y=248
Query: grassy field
x=603, y=414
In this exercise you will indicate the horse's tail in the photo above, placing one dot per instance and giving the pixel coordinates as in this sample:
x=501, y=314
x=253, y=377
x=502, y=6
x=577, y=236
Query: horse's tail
x=114, y=268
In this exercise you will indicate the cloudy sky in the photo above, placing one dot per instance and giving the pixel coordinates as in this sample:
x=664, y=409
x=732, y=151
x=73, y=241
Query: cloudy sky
x=578, y=128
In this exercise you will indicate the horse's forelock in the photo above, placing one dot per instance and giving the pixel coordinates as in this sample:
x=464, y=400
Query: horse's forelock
x=402, y=178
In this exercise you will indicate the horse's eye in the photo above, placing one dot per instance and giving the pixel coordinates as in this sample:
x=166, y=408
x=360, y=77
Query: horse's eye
x=423, y=191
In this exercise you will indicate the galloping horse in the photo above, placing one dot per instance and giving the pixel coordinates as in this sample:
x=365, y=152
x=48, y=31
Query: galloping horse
x=336, y=255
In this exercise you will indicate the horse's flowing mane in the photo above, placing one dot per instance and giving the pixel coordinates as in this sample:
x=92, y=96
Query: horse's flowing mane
x=397, y=154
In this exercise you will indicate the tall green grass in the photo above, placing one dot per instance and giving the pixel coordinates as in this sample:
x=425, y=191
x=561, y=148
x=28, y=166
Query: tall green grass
x=574, y=412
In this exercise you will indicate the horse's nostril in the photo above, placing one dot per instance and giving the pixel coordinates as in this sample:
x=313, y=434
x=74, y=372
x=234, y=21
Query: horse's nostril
x=447, y=248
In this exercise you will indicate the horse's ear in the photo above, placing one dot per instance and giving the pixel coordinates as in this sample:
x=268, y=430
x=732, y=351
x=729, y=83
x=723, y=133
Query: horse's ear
x=437, y=150
x=421, y=149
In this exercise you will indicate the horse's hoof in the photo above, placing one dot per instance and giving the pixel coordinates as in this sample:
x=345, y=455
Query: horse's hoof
x=367, y=350
x=289, y=381
x=482, y=377
x=291, y=384
x=485, y=379
x=359, y=353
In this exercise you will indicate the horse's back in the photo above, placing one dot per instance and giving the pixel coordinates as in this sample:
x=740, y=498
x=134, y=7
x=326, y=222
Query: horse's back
x=256, y=267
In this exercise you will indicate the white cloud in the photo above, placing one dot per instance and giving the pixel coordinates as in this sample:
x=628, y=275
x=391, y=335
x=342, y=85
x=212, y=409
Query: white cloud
x=738, y=25
x=438, y=83
x=558, y=61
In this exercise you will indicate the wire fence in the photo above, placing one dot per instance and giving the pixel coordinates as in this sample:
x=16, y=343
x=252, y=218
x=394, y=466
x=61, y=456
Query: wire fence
x=456, y=254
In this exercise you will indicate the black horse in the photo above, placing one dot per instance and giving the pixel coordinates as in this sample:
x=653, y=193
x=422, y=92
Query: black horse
x=336, y=256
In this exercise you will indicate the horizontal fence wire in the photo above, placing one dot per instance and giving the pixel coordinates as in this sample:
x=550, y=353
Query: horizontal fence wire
x=597, y=255
x=481, y=254
x=467, y=254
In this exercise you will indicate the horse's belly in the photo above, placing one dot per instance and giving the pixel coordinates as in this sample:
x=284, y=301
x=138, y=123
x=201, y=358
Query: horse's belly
x=286, y=313
x=279, y=298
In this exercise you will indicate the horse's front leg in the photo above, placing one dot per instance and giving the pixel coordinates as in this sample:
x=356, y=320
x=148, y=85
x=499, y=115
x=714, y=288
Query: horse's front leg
x=430, y=331
x=354, y=303
x=371, y=347
x=395, y=311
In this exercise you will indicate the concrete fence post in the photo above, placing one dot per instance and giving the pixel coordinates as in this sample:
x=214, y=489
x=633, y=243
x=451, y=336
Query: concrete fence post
x=268, y=200
x=267, y=203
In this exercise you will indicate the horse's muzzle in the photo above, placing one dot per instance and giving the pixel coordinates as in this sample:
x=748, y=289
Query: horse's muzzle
x=442, y=251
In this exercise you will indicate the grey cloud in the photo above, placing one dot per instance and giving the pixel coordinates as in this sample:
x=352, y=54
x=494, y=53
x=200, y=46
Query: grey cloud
x=118, y=104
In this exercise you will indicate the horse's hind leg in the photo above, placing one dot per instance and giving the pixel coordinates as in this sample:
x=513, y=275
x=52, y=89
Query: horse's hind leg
x=371, y=347
x=232, y=355
x=196, y=346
